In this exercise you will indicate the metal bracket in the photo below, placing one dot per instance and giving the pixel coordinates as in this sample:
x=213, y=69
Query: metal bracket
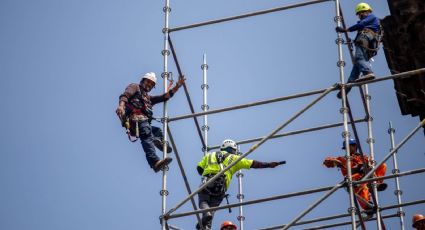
x=166, y=8
x=204, y=66
x=205, y=85
x=339, y=41
x=165, y=52
x=345, y=134
x=163, y=192
x=241, y=218
x=340, y=63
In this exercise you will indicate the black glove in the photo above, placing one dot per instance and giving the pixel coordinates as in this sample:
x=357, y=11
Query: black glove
x=340, y=29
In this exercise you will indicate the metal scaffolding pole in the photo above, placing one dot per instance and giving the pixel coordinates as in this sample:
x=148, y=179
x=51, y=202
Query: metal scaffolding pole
x=349, y=222
x=246, y=15
x=370, y=173
x=186, y=91
x=186, y=182
x=253, y=148
x=395, y=171
x=245, y=203
x=205, y=106
x=240, y=196
x=344, y=111
x=289, y=195
x=343, y=215
x=165, y=74
x=291, y=133
x=309, y=93
x=422, y=123
x=371, y=142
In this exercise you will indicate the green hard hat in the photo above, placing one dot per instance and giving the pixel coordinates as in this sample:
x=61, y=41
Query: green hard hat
x=363, y=7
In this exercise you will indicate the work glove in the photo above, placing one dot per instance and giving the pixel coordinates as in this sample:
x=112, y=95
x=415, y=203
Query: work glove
x=330, y=162
x=340, y=29
x=273, y=164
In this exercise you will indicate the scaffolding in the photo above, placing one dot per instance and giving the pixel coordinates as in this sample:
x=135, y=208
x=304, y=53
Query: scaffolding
x=347, y=119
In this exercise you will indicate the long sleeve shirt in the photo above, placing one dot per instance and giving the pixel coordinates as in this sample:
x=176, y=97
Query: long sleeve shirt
x=133, y=88
x=370, y=22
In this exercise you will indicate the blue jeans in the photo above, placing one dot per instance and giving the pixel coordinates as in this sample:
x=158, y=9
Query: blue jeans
x=147, y=134
x=361, y=64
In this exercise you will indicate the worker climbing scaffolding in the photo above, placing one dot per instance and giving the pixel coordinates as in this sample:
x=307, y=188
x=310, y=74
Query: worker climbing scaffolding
x=210, y=165
x=136, y=114
x=358, y=172
x=366, y=44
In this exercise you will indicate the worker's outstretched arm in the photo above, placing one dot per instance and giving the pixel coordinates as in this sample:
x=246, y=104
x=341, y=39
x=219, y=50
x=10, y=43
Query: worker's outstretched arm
x=260, y=165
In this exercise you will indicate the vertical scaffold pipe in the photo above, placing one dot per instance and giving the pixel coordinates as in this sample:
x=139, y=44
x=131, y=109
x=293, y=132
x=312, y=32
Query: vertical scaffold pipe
x=345, y=134
x=396, y=171
x=165, y=75
x=205, y=106
x=241, y=196
x=371, y=142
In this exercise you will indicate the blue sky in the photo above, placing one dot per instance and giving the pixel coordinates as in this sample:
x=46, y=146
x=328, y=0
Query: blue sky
x=65, y=162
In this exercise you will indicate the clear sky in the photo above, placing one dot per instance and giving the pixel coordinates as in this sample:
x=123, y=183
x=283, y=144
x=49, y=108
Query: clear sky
x=65, y=162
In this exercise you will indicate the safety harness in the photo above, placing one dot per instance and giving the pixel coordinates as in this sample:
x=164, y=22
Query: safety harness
x=218, y=187
x=371, y=46
x=138, y=109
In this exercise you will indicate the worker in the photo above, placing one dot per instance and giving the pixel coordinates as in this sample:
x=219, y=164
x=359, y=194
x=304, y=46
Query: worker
x=418, y=222
x=366, y=43
x=210, y=165
x=228, y=225
x=135, y=104
x=357, y=173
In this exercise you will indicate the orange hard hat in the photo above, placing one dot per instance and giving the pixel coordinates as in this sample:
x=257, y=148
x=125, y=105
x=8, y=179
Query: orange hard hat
x=227, y=224
x=416, y=218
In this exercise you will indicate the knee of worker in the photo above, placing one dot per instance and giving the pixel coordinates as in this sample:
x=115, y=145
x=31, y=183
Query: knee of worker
x=145, y=131
x=157, y=132
x=381, y=170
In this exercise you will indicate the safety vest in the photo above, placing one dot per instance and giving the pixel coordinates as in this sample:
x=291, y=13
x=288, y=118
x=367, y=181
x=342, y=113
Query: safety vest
x=211, y=165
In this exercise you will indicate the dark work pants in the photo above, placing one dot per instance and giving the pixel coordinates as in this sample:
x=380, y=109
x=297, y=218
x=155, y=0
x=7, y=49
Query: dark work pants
x=208, y=201
x=147, y=134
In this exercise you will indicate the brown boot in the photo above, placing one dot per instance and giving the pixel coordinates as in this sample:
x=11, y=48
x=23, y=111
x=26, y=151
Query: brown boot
x=161, y=164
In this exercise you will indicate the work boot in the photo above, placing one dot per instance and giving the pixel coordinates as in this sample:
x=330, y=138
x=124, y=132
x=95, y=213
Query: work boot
x=347, y=90
x=381, y=187
x=366, y=77
x=159, y=144
x=368, y=213
x=161, y=164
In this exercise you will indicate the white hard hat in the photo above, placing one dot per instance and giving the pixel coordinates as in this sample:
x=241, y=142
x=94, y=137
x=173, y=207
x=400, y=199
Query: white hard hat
x=151, y=76
x=229, y=143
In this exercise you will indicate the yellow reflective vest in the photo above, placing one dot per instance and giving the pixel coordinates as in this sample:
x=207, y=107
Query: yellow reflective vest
x=210, y=165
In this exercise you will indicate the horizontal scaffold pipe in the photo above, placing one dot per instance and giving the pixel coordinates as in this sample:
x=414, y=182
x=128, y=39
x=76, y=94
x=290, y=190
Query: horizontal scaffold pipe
x=406, y=173
x=284, y=196
x=395, y=76
x=394, y=150
x=291, y=133
x=349, y=222
x=279, y=197
x=344, y=215
x=247, y=15
x=309, y=93
x=252, y=149
x=252, y=104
